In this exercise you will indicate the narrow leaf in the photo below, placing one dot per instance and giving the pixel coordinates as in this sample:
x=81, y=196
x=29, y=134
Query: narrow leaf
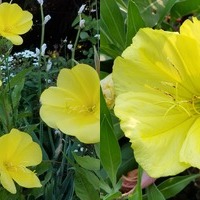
x=83, y=188
x=87, y=162
x=174, y=185
x=110, y=154
x=153, y=193
x=112, y=22
x=153, y=12
x=134, y=22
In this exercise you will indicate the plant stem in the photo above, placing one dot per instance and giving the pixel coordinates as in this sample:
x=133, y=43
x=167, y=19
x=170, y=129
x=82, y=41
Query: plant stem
x=9, y=91
x=75, y=43
x=39, y=72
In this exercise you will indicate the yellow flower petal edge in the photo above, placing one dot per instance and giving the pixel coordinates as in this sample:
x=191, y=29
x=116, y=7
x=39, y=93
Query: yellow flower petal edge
x=74, y=105
x=0, y=83
x=17, y=152
x=14, y=22
x=158, y=98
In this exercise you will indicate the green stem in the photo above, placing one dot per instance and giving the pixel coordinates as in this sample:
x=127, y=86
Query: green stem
x=75, y=43
x=41, y=43
x=51, y=140
x=39, y=71
x=9, y=91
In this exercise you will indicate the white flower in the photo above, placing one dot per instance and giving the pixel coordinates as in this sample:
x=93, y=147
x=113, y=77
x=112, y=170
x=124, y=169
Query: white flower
x=82, y=23
x=93, y=10
x=40, y=2
x=69, y=46
x=46, y=19
x=65, y=40
x=49, y=65
x=43, y=49
x=97, y=36
x=81, y=9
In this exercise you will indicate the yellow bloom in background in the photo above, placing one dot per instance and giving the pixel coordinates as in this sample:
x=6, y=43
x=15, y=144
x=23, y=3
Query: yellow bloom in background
x=74, y=105
x=0, y=83
x=108, y=90
x=158, y=98
x=14, y=22
x=17, y=152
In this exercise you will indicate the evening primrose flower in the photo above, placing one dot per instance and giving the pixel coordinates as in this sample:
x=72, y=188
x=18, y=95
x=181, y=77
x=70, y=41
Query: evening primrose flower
x=74, y=105
x=158, y=98
x=17, y=152
x=14, y=22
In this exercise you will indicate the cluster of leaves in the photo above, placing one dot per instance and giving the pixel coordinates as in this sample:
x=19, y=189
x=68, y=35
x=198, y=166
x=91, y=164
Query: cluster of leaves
x=116, y=154
x=132, y=15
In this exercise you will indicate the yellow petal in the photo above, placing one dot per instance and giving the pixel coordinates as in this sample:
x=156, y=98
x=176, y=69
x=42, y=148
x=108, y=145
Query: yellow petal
x=25, y=178
x=143, y=64
x=51, y=115
x=191, y=150
x=19, y=149
x=74, y=105
x=191, y=28
x=7, y=182
x=54, y=96
x=168, y=58
x=154, y=130
x=0, y=83
x=14, y=22
x=85, y=128
x=81, y=80
x=188, y=50
x=15, y=39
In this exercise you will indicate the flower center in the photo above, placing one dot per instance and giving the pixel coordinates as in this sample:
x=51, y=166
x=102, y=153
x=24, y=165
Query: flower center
x=8, y=29
x=189, y=106
x=84, y=109
x=196, y=104
x=9, y=166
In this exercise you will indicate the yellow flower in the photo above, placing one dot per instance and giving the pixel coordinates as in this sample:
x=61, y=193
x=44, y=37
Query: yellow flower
x=158, y=98
x=108, y=90
x=14, y=22
x=0, y=83
x=74, y=105
x=18, y=151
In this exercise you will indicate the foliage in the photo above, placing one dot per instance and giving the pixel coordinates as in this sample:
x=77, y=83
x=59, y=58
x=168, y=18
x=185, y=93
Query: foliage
x=120, y=21
x=64, y=171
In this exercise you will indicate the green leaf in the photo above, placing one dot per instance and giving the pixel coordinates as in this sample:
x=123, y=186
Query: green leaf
x=108, y=46
x=112, y=27
x=134, y=22
x=113, y=22
x=128, y=160
x=112, y=195
x=5, y=195
x=153, y=193
x=84, y=35
x=137, y=194
x=16, y=80
x=154, y=11
x=16, y=93
x=122, y=5
x=138, y=189
x=110, y=153
x=83, y=187
x=87, y=162
x=185, y=8
x=174, y=185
